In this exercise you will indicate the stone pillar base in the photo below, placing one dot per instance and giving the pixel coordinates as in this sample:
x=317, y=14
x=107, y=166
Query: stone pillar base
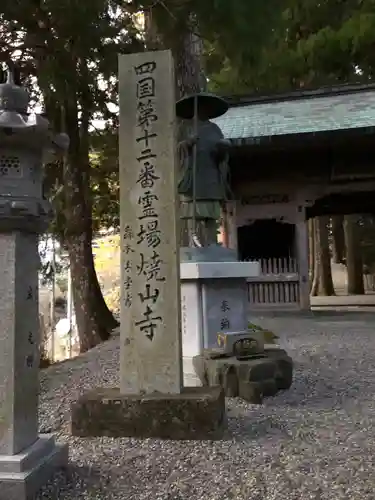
x=22, y=475
x=196, y=413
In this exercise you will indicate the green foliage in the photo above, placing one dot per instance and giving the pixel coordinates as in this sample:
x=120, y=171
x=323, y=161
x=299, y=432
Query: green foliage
x=105, y=185
x=325, y=43
x=234, y=32
x=311, y=44
x=62, y=283
x=72, y=49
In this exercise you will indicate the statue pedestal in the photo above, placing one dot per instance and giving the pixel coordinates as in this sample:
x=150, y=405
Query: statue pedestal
x=213, y=300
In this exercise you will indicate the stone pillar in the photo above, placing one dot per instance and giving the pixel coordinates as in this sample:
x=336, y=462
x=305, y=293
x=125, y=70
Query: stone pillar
x=150, y=318
x=26, y=459
x=302, y=251
x=19, y=333
x=151, y=400
x=23, y=453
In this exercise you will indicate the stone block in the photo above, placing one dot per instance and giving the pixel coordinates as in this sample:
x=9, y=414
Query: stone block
x=250, y=391
x=196, y=413
x=200, y=369
x=269, y=387
x=22, y=475
x=250, y=379
x=284, y=367
x=257, y=370
x=240, y=344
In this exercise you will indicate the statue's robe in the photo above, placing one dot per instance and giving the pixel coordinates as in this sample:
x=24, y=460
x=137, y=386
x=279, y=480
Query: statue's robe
x=211, y=172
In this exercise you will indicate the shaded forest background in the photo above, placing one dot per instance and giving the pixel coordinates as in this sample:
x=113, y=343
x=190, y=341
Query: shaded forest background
x=67, y=50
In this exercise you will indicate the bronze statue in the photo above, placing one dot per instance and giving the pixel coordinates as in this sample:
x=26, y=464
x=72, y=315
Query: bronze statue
x=203, y=154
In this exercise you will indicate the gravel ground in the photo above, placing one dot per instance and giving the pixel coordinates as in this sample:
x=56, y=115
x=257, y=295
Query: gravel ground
x=315, y=441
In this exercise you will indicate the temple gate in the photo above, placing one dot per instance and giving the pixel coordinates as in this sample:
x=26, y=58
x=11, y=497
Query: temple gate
x=295, y=156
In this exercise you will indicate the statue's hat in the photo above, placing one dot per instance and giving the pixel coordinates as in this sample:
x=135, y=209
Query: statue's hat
x=208, y=106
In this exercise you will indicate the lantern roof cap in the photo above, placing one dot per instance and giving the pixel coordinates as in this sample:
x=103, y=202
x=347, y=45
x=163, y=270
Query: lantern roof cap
x=13, y=97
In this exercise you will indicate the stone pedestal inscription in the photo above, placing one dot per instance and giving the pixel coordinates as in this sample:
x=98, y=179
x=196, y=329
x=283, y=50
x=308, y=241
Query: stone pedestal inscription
x=191, y=312
x=19, y=340
x=150, y=304
x=225, y=308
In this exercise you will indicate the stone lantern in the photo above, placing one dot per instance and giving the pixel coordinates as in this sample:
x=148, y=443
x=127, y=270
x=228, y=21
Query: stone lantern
x=26, y=458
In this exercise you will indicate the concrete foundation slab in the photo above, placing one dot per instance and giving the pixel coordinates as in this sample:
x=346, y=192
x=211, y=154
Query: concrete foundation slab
x=197, y=413
x=22, y=475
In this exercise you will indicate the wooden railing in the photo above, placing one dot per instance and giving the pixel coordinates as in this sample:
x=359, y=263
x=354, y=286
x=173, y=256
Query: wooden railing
x=277, y=287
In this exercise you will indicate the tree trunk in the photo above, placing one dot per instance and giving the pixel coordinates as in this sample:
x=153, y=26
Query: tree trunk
x=338, y=239
x=104, y=316
x=78, y=237
x=311, y=251
x=93, y=318
x=354, y=263
x=90, y=331
x=187, y=50
x=322, y=284
x=315, y=259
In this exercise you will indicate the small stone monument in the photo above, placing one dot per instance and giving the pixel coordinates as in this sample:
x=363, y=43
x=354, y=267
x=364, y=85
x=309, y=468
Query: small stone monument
x=26, y=458
x=151, y=400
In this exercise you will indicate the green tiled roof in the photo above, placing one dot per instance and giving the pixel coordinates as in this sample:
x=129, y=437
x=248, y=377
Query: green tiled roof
x=305, y=115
